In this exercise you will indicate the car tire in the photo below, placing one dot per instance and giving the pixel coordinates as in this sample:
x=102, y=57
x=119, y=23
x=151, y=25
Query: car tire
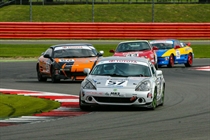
x=82, y=107
x=162, y=96
x=171, y=61
x=189, y=60
x=156, y=66
x=53, y=76
x=154, y=101
x=40, y=77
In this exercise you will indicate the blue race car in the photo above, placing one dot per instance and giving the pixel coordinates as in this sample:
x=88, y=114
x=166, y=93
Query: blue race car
x=172, y=51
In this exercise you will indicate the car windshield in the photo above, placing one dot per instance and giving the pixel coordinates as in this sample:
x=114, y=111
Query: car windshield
x=76, y=53
x=133, y=46
x=162, y=46
x=121, y=70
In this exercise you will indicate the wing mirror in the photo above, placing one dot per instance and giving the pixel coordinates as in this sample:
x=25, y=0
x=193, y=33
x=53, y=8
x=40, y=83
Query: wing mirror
x=111, y=51
x=46, y=56
x=188, y=44
x=86, y=71
x=101, y=53
x=177, y=47
x=159, y=72
x=155, y=48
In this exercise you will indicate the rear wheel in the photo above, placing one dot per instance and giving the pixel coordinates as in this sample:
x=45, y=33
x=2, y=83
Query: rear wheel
x=189, y=61
x=171, y=61
x=40, y=77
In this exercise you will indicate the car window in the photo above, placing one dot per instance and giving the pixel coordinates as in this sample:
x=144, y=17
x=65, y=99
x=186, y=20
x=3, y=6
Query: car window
x=75, y=53
x=133, y=46
x=49, y=51
x=122, y=69
x=162, y=46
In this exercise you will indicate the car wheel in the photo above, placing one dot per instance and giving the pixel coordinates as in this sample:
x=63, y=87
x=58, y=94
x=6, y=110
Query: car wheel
x=53, y=76
x=162, y=96
x=171, y=61
x=40, y=77
x=82, y=107
x=189, y=61
x=154, y=101
x=156, y=66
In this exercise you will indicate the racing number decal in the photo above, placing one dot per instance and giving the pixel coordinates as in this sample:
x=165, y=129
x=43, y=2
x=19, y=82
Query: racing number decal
x=178, y=54
x=121, y=83
x=132, y=55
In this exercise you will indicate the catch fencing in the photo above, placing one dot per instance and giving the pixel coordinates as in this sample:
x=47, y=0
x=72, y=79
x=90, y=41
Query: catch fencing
x=99, y=30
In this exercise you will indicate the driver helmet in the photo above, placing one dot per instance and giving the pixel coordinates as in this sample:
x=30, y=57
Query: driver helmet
x=109, y=69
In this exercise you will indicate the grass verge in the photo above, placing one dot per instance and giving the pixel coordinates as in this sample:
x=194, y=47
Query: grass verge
x=18, y=105
x=33, y=51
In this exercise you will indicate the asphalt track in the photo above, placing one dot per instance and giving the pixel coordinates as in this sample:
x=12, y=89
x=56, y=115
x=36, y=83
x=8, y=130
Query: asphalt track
x=184, y=116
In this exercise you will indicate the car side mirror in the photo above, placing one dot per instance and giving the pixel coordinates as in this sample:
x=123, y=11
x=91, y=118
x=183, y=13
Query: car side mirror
x=155, y=48
x=86, y=71
x=111, y=51
x=101, y=53
x=188, y=44
x=46, y=56
x=177, y=47
x=159, y=72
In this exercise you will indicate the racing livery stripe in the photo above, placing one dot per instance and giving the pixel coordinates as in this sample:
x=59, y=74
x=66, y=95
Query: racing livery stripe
x=69, y=107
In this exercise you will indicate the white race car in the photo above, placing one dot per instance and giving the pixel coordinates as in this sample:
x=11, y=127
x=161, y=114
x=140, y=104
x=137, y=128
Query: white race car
x=122, y=81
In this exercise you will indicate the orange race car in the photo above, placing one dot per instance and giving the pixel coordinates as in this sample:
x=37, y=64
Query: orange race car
x=66, y=61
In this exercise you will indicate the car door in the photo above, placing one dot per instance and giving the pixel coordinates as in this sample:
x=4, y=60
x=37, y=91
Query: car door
x=178, y=51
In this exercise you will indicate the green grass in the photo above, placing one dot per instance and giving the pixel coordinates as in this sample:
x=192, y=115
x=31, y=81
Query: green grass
x=107, y=13
x=35, y=50
x=19, y=105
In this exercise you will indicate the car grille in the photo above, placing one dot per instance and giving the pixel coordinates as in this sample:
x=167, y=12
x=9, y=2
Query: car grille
x=113, y=100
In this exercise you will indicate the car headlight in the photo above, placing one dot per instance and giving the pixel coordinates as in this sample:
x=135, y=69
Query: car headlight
x=88, y=85
x=144, y=86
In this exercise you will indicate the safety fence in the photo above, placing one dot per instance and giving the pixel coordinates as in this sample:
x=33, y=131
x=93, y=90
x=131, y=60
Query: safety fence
x=99, y=30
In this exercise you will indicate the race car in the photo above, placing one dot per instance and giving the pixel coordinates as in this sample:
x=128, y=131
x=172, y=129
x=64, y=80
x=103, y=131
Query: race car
x=122, y=81
x=66, y=61
x=172, y=51
x=136, y=48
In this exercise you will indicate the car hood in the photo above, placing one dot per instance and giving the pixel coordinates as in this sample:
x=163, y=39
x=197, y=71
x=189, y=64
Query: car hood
x=135, y=53
x=77, y=64
x=115, y=82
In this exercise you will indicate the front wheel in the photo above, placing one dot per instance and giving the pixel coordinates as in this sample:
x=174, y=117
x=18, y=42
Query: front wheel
x=53, y=76
x=154, y=101
x=82, y=107
x=171, y=61
x=162, y=96
x=40, y=77
x=189, y=61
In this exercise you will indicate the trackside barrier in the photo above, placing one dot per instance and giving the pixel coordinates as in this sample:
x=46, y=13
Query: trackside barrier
x=101, y=30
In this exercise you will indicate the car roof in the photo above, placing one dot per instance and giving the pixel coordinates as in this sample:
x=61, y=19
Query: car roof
x=164, y=40
x=139, y=59
x=73, y=44
x=134, y=41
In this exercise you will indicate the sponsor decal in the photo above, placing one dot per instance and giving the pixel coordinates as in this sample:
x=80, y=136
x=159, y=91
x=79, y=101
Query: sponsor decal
x=122, y=61
x=117, y=83
x=66, y=60
x=132, y=55
x=115, y=94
